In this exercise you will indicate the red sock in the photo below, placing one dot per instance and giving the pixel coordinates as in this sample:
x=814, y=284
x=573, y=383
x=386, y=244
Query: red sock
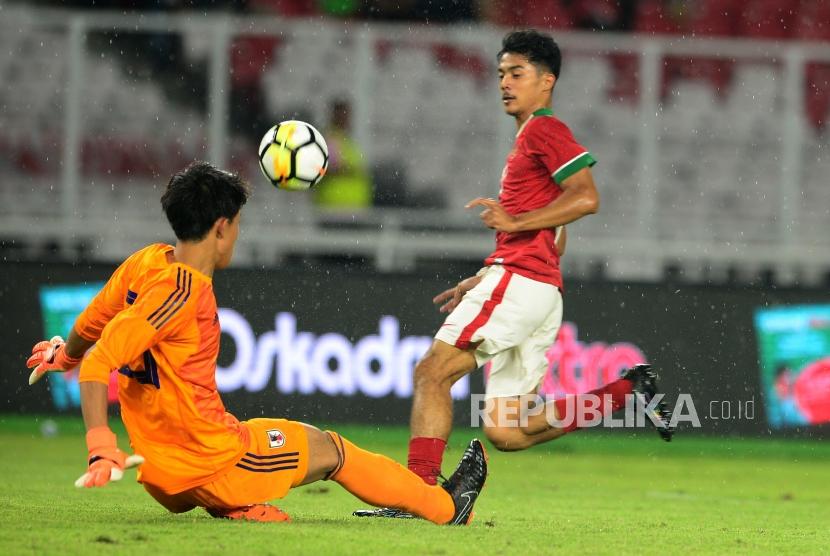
x=425, y=455
x=617, y=390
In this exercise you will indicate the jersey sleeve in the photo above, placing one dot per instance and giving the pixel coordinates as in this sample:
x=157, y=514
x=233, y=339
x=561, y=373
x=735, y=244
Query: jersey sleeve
x=108, y=302
x=162, y=306
x=553, y=144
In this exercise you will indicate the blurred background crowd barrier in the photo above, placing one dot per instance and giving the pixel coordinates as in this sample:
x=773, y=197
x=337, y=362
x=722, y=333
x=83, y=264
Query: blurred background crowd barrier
x=708, y=119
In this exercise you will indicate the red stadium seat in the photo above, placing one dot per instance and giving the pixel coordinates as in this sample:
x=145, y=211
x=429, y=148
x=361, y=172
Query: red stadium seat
x=288, y=8
x=250, y=55
x=712, y=18
x=769, y=19
x=652, y=18
x=817, y=94
x=462, y=60
x=596, y=14
x=544, y=14
x=813, y=21
x=813, y=24
x=715, y=18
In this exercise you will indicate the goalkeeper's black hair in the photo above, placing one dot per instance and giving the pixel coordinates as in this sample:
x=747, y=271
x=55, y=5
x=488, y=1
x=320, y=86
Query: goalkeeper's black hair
x=198, y=196
x=540, y=49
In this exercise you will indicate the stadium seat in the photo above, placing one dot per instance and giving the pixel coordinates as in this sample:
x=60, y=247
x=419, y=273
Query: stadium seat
x=753, y=100
x=596, y=14
x=813, y=24
x=652, y=17
x=689, y=101
x=250, y=55
x=813, y=21
x=584, y=80
x=712, y=18
x=768, y=19
x=817, y=94
x=545, y=14
x=288, y=8
x=815, y=199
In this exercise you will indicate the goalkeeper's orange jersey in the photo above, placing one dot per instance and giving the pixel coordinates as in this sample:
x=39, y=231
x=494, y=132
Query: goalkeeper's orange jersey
x=156, y=323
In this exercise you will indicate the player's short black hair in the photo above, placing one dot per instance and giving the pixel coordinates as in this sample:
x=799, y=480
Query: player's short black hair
x=198, y=196
x=539, y=48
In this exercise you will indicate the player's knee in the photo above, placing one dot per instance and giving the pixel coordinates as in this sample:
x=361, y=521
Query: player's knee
x=507, y=439
x=324, y=457
x=173, y=503
x=534, y=428
x=180, y=509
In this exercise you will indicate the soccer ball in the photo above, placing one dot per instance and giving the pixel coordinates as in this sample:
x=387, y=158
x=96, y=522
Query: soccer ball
x=293, y=155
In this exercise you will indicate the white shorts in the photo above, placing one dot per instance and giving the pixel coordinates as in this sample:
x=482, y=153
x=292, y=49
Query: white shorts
x=511, y=321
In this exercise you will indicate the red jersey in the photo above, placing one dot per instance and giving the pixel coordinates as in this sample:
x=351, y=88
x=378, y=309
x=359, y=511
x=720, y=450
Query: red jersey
x=544, y=155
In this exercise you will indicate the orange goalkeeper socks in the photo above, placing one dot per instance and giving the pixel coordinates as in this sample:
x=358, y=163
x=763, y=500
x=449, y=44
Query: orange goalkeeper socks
x=380, y=481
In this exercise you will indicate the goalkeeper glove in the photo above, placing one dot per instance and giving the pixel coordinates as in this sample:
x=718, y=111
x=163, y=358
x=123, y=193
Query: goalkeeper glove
x=50, y=356
x=106, y=462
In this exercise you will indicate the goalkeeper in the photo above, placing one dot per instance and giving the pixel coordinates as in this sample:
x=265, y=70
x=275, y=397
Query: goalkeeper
x=155, y=322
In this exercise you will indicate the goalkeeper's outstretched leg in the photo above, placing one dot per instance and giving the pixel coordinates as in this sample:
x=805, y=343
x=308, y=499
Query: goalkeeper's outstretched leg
x=285, y=454
x=380, y=481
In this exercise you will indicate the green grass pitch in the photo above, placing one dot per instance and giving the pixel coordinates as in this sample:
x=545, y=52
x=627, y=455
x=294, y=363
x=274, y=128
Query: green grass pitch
x=588, y=493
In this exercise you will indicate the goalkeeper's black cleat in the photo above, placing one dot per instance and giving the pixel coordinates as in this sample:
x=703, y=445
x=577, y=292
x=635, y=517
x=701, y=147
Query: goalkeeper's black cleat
x=465, y=484
x=644, y=381
x=385, y=512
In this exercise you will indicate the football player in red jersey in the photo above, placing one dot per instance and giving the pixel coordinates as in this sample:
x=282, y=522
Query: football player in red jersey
x=510, y=312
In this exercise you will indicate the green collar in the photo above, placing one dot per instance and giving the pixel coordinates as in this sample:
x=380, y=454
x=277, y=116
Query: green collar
x=543, y=112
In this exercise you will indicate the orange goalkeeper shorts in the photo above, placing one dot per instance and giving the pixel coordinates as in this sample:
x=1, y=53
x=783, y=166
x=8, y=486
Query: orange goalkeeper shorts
x=276, y=461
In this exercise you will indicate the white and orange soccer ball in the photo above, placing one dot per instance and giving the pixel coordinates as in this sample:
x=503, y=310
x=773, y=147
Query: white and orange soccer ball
x=293, y=155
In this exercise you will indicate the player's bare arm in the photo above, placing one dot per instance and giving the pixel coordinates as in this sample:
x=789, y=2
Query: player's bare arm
x=579, y=198
x=77, y=345
x=561, y=240
x=450, y=298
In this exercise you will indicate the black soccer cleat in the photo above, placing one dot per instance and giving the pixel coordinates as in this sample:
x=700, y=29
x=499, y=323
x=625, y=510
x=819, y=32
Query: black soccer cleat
x=385, y=512
x=466, y=482
x=464, y=486
x=644, y=381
